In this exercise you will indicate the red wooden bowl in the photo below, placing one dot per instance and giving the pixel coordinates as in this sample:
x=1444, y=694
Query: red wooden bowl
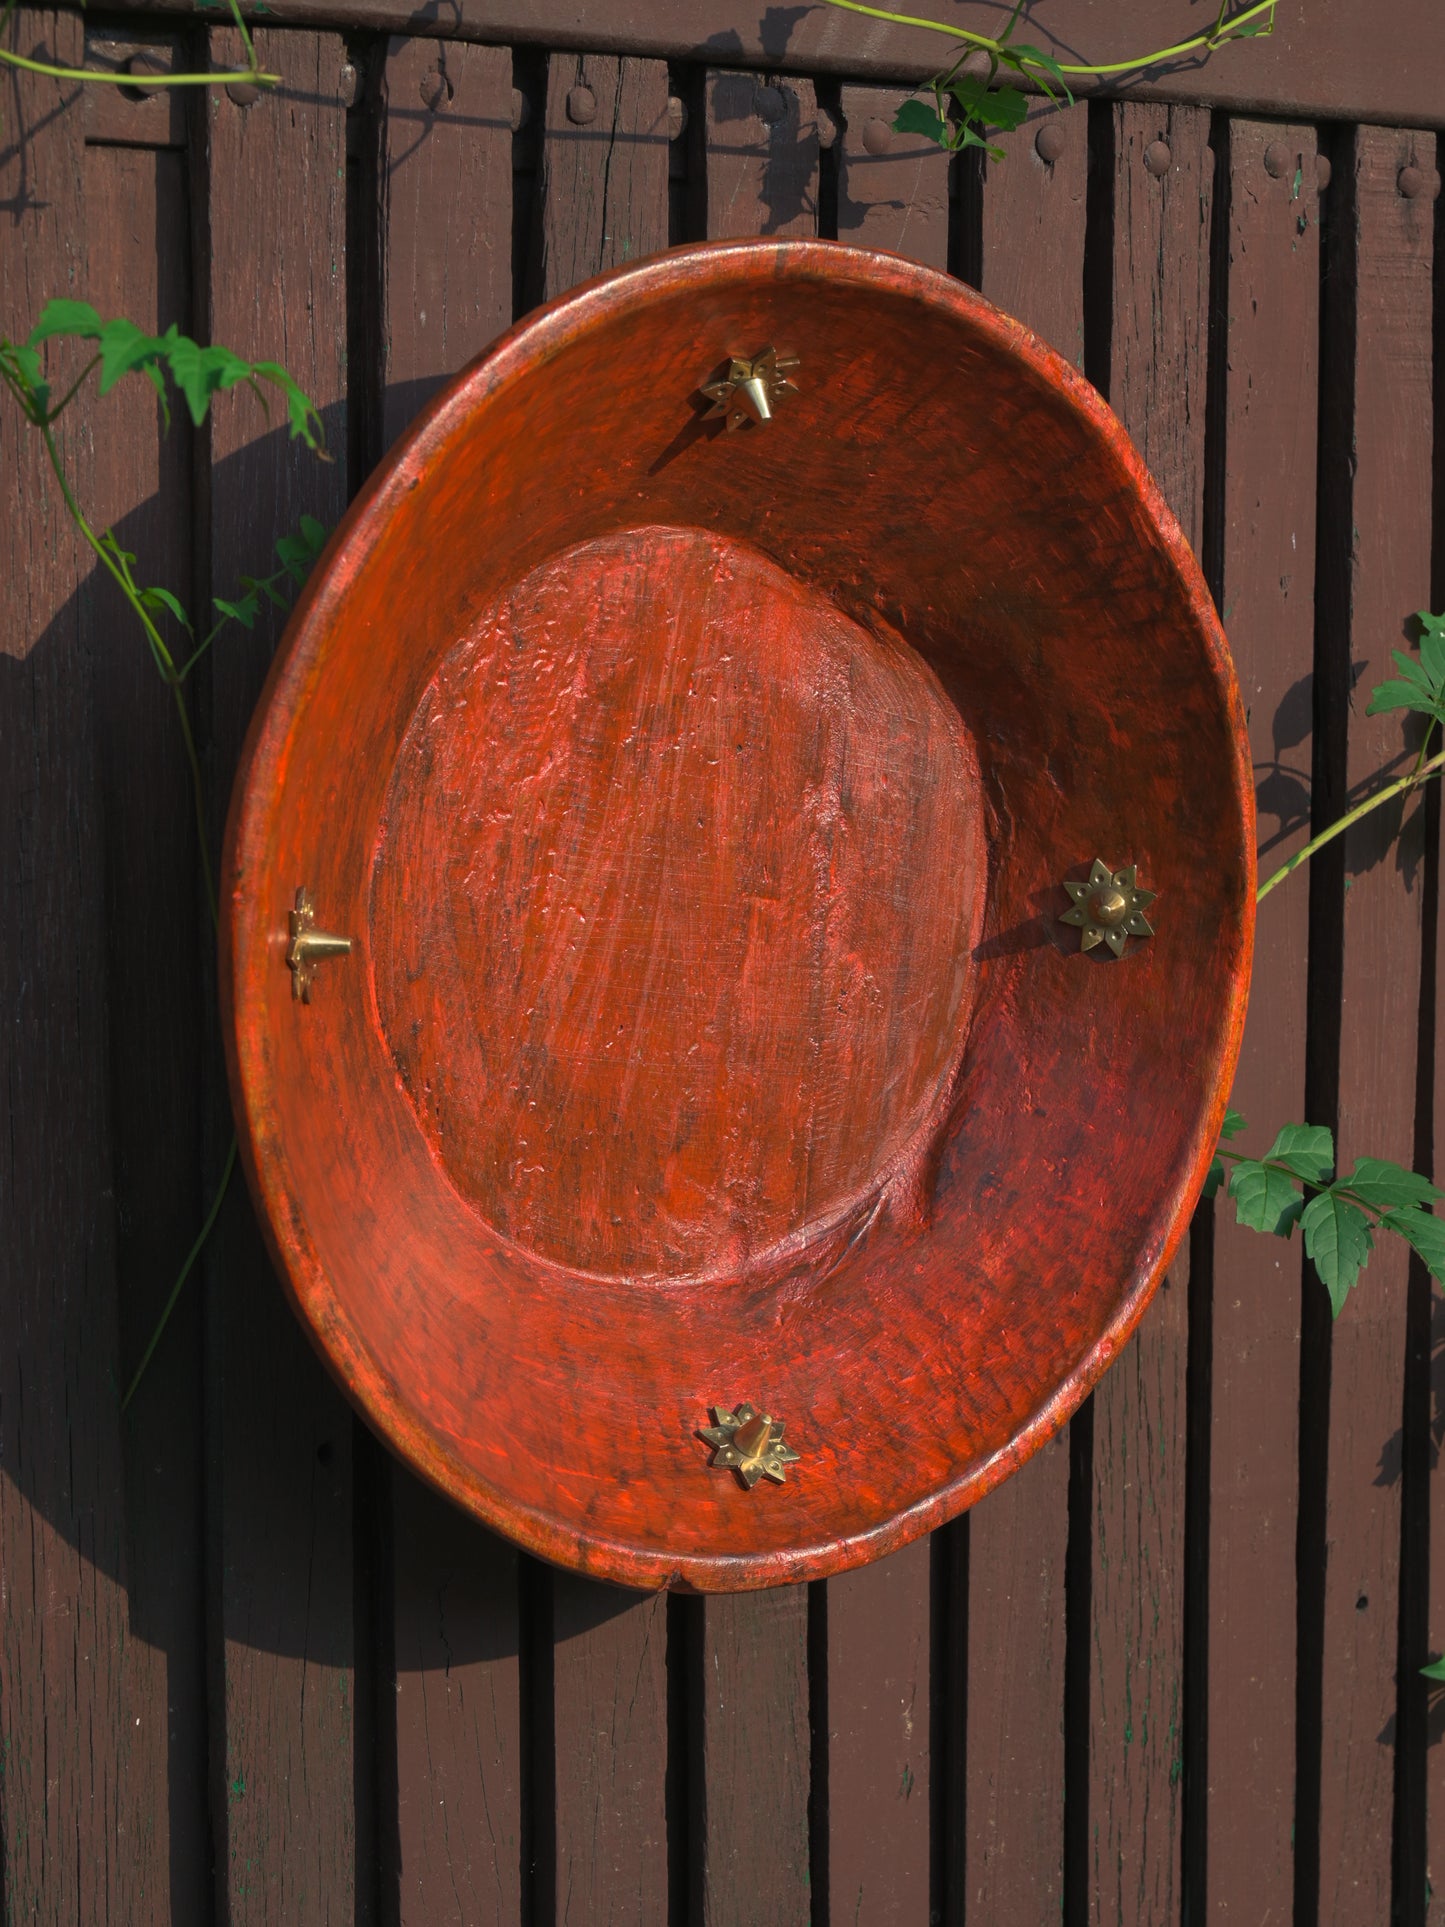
x=699, y=805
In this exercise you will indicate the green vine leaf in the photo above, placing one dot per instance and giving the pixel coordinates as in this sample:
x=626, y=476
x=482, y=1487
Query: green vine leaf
x=1425, y=1233
x=1421, y=682
x=1035, y=64
x=1338, y=1240
x=125, y=348
x=245, y=611
x=1306, y=1150
x=917, y=117
x=1265, y=1198
x=1231, y=1127
x=1377, y=1182
x=156, y=599
x=1002, y=107
x=76, y=318
x=1435, y=1670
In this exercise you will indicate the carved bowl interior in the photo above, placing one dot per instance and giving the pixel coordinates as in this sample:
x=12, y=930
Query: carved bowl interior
x=699, y=803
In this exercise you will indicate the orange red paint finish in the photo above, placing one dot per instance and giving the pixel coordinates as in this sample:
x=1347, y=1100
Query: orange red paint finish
x=699, y=804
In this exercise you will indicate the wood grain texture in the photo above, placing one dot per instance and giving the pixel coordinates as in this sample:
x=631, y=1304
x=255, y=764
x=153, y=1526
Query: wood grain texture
x=1032, y=266
x=880, y=1741
x=458, y=1716
x=124, y=116
x=1267, y=565
x=892, y=188
x=603, y=200
x=610, y=1693
x=1032, y=243
x=762, y=156
x=604, y=166
x=141, y=485
x=1388, y=577
x=1429, y=1627
x=78, y=1781
x=751, y=1845
x=1331, y=63
x=892, y=193
x=446, y=171
x=284, y=1815
x=1158, y=355
x=1013, y=1799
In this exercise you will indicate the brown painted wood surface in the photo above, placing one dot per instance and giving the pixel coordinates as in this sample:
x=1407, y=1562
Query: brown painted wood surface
x=892, y=188
x=137, y=202
x=458, y=1774
x=609, y=1685
x=1425, y=1641
x=71, y=1687
x=880, y=1740
x=1031, y=264
x=604, y=166
x=762, y=156
x=286, y=1835
x=1157, y=363
x=1329, y=61
x=749, y=1818
x=1271, y=355
x=89, y=827
x=1385, y=252
x=445, y=149
x=446, y=168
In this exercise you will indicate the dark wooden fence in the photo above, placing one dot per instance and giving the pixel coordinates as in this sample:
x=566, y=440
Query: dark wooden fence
x=249, y=1670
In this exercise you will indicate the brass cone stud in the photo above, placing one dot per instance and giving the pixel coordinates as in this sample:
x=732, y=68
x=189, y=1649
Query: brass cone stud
x=1109, y=907
x=309, y=946
x=749, y=1443
x=751, y=389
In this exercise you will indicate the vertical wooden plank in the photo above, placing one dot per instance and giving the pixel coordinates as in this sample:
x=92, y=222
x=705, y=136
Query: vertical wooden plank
x=610, y=1682
x=1033, y=230
x=754, y=1774
x=762, y=156
x=82, y=1743
x=892, y=188
x=880, y=1741
x=284, y=1817
x=604, y=166
x=1031, y=265
x=1014, y=1766
x=1158, y=353
x=892, y=193
x=446, y=174
x=753, y=1838
x=1270, y=367
x=1387, y=577
x=1424, y=1628
x=458, y=1716
x=603, y=201
x=1430, y=1624
x=141, y=483
x=446, y=150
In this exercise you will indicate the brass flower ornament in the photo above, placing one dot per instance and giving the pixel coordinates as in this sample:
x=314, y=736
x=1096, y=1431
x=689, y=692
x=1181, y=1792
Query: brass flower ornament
x=749, y=1443
x=1110, y=907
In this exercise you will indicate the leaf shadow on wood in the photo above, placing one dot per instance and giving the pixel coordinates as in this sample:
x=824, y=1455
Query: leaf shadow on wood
x=788, y=150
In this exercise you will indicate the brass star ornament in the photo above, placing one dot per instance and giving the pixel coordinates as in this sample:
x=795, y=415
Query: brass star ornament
x=749, y=1443
x=750, y=389
x=1110, y=907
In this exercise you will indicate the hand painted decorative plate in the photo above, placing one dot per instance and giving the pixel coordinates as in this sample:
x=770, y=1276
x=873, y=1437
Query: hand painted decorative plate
x=774, y=761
